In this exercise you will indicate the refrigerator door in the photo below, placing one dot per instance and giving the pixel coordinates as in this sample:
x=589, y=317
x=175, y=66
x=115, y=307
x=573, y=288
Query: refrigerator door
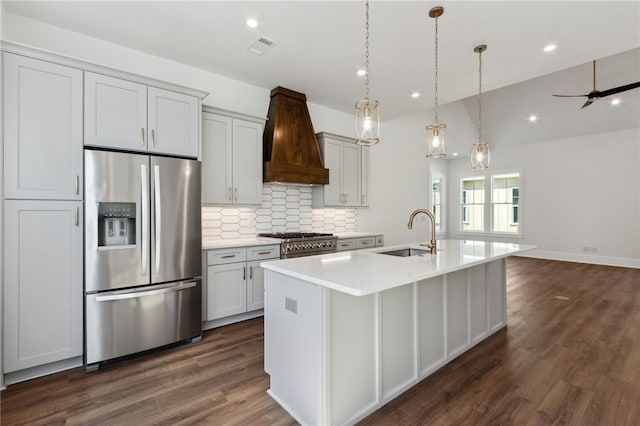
x=176, y=234
x=117, y=224
x=129, y=321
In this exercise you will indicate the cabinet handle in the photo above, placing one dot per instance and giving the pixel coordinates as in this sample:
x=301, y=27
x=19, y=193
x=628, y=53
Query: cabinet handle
x=362, y=199
x=364, y=243
x=236, y=194
x=153, y=137
x=250, y=272
x=229, y=196
x=227, y=256
x=77, y=216
x=244, y=273
x=77, y=185
x=142, y=138
x=264, y=252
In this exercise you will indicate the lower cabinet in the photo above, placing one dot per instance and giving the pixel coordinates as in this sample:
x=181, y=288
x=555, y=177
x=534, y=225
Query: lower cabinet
x=345, y=244
x=235, y=280
x=43, y=293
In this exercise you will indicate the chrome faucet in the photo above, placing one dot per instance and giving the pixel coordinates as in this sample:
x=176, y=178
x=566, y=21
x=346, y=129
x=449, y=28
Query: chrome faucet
x=433, y=244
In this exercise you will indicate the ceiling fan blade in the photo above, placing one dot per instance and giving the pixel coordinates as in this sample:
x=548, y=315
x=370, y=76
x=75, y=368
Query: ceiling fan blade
x=615, y=90
x=570, y=96
x=586, y=104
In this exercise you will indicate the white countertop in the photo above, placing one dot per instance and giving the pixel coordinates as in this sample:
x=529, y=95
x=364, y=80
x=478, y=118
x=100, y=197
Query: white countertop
x=363, y=272
x=341, y=235
x=238, y=242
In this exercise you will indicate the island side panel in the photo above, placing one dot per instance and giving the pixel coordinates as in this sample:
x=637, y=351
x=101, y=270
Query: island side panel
x=431, y=325
x=497, y=294
x=457, y=313
x=294, y=345
x=353, y=347
x=398, y=342
x=478, y=309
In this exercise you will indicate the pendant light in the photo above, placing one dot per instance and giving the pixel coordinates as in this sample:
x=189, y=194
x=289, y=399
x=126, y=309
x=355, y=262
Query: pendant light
x=436, y=131
x=480, y=155
x=367, y=110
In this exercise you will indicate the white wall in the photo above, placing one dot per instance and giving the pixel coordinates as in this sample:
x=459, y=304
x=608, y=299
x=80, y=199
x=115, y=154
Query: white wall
x=2, y=26
x=578, y=192
x=400, y=173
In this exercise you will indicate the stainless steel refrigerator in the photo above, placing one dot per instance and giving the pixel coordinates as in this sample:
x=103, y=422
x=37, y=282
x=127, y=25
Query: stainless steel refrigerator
x=143, y=262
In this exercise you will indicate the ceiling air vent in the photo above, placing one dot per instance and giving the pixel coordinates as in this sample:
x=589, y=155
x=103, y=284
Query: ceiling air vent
x=261, y=45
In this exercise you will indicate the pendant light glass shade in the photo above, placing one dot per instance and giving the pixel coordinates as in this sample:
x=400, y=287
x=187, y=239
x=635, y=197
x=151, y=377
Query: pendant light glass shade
x=436, y=131
x=367, y=122
x=367, y=110
x=480, y=155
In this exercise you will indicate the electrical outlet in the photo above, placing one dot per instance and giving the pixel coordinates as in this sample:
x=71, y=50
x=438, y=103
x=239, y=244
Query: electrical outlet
x=291, y=305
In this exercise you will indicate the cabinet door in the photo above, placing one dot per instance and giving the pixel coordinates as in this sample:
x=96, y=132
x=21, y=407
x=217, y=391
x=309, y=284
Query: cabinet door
x=351, y=174
x=115, y=113
x=255, y=286
x=42, y=129
x=226, y=290
x=172, y=123
x=43, y=282
x=247, y=162
x=333, y=161
x=217, y=157
x=364, y=175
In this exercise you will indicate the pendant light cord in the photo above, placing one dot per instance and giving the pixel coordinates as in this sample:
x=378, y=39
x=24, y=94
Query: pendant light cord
x=366, y=48
x=436, y=73
x=480, y=97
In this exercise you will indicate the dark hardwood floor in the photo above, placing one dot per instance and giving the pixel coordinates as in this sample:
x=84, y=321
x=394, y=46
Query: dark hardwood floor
x=570, y=355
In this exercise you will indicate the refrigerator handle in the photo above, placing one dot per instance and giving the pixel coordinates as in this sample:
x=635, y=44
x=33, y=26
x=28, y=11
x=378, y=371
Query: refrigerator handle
x=134, y=294
x=158, y=213
x=144, y=202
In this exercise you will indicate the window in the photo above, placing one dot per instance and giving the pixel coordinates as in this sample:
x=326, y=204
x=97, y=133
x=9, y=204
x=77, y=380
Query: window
x=472, y=203
x=500, y=213
x=436, y=196
x=505, y=199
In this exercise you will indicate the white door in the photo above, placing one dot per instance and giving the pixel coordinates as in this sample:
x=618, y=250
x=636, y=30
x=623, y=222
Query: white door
x=43, y=282
x=255, y=286
x=351, y=174
x=43, y=129
x=226, y=290
x=172, y=123
x=333, y=162
x=115, y=113
x=217, y=157
x=247, y=162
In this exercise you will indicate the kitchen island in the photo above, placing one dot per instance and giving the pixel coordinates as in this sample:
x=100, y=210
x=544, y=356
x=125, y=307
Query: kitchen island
x=347, y=332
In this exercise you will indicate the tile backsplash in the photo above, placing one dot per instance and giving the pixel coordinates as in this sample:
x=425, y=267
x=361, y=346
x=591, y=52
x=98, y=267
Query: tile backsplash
x=284, y=208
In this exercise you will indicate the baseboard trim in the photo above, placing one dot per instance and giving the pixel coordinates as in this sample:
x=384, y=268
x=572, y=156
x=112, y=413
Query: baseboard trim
x=208, y=325
x=623, y=262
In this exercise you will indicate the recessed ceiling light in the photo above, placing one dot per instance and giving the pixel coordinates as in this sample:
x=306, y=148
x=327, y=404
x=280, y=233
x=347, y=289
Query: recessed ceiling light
x=455, y=154
x=550, y=48
x=362, y=72
x=252, y=23
x=415, y=95
x=533, y=118
x=615, y=101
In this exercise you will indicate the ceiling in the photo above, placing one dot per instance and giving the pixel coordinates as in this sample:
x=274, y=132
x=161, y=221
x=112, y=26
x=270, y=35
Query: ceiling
x=319, y=45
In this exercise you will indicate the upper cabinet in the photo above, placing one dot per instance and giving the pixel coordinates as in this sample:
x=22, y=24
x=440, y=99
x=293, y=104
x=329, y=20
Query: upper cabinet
x=42, y=107
x=231, y=160
x=131, y=116
x=348, y=166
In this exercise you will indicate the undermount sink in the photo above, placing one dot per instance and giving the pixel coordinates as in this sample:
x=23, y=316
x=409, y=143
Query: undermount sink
x=406, y=252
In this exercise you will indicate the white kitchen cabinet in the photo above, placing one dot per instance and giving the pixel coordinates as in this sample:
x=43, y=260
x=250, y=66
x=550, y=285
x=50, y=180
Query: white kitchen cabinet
x=42, y=129
x=43, y=291
x=345, y=244
x=132, y=116
x=231, y=160
x=235, y=280
x=348, y=166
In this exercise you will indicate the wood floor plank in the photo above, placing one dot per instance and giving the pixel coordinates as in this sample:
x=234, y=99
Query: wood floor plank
x=572, y=359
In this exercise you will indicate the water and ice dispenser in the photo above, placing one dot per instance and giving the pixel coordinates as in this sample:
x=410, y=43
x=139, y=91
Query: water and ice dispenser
x=116, y=224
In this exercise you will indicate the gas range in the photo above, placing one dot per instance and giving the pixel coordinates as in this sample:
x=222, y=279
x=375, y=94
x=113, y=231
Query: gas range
x=298, y=244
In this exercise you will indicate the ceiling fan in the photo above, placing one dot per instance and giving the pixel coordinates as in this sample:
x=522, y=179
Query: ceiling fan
x=594, y=95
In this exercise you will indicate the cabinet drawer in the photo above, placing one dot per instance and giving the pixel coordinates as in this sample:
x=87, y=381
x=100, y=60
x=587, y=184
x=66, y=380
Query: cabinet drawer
x=229, y=255
x=367, y=242
x=346, y=244
x=263, y=252
x=379, y=240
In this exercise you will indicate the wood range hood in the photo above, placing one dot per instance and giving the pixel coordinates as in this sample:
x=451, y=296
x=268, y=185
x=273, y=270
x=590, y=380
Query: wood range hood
x=290, y=149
